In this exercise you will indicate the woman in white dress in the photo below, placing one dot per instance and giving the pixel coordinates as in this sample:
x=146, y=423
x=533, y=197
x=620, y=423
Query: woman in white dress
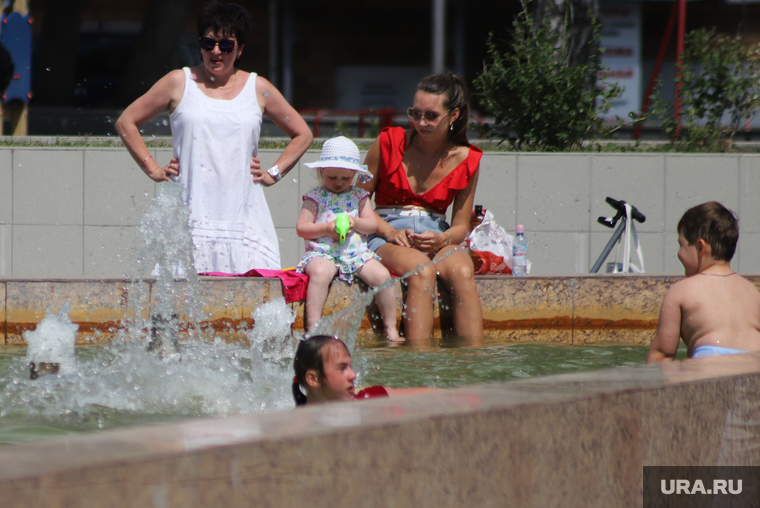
x=215, y=117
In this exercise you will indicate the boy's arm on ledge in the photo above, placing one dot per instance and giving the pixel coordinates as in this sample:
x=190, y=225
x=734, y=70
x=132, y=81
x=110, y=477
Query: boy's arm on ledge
x=665, y=343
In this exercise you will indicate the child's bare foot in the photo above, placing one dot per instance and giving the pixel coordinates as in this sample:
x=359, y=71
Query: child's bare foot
x=393, y=335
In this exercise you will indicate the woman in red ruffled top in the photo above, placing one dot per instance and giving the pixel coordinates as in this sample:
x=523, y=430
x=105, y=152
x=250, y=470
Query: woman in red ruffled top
x=418, y=174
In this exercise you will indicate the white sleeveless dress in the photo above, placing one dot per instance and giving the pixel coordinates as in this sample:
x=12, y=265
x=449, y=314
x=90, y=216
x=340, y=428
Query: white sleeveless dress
x=214, y=141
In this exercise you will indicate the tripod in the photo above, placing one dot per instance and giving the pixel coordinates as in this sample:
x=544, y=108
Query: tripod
x=626, y=214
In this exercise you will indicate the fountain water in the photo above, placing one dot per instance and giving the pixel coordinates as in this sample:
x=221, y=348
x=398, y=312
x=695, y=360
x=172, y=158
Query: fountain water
x=163, y=245
x=51, y=346
x=124, y=383
x=127, y=381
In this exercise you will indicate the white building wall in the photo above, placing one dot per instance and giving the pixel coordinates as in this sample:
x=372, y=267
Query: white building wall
x=70, y=212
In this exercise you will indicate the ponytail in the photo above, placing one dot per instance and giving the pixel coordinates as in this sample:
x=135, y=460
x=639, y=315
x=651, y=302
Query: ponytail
x=298, y=395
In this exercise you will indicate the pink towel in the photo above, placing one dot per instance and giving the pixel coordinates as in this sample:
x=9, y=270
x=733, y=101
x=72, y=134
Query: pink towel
x=294, y=284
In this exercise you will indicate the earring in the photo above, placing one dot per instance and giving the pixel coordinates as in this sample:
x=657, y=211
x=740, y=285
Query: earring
x=451, y=126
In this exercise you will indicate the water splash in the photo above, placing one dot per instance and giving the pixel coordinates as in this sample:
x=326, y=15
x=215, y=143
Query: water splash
x=345, y=323
x=164, y=249
x=121, y=382
x=125, y=380
x=51, y=344
x=271, y=338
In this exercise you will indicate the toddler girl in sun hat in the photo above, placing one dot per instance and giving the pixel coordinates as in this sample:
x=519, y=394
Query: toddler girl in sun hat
x=329, y=253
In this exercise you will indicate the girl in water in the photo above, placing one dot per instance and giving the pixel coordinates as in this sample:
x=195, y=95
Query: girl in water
x=323, y=368
x=329, y=253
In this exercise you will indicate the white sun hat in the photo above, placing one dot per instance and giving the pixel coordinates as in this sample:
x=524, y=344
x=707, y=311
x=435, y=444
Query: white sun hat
x=342, y=153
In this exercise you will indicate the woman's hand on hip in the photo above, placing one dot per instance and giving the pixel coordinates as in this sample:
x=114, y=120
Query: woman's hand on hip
x=255, y=166
x=256, y=171
x=259, y=175
x=164, y=174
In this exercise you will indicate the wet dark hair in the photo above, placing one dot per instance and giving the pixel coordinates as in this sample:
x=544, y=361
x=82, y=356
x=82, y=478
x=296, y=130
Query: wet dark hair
x=713, y=223
x=456, y=96
x=309, y=357
x=225, y=19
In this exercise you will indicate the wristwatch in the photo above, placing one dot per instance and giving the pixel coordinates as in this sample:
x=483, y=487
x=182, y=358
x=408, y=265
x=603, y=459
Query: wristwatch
x=274, y=172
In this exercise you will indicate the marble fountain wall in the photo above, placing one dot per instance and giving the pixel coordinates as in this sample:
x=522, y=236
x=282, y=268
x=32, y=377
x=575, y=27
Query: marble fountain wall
x=568, y=310
x=69, y=212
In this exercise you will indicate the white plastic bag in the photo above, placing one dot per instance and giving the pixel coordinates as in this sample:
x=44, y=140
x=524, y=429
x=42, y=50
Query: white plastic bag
x=492, y=245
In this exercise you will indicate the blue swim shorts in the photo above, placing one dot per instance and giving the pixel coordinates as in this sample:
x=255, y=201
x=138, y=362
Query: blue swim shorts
x=707, y=351
x=418, y=224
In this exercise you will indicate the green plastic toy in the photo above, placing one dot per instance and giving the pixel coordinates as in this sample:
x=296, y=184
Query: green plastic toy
x=342, y=225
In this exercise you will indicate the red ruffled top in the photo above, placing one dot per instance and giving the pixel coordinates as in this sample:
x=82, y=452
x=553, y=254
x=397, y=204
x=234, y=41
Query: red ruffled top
x=393, y=189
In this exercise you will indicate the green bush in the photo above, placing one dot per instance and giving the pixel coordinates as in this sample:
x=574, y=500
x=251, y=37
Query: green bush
x=719, y=92
x=539, y=101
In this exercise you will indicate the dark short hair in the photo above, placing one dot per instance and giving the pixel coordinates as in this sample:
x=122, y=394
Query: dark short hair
x=456, y=94
x=309, y=357
x=713, y=223
x=225, y=19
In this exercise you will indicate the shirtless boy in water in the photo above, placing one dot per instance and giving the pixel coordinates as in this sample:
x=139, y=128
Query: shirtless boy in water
x=714, y=310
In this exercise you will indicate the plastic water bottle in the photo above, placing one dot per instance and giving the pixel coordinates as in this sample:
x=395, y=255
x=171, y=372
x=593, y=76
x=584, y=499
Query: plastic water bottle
x=520, y=253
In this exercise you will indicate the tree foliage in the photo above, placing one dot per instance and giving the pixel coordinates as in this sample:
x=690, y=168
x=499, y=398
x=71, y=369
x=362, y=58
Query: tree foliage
x=718, y=90
x=536, y=92
x=574, y=22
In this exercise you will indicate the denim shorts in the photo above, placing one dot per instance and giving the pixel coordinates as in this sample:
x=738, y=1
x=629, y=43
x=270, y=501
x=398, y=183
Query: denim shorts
x=418, y=224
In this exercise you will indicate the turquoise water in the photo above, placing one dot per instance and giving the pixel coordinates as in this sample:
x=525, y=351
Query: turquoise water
x=120, y=385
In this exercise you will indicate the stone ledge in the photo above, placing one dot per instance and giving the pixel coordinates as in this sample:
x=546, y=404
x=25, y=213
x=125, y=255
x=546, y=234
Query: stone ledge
x=570, y=440
x=568, y=310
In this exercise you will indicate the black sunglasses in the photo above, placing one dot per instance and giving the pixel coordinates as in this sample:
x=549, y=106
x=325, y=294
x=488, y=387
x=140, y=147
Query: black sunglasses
x=225, y=45
x=430, y=116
